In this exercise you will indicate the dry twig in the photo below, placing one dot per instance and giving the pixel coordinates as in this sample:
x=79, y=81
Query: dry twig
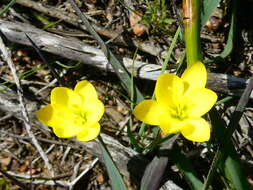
x=74, y=49
x=23, y=110
x=72, y=19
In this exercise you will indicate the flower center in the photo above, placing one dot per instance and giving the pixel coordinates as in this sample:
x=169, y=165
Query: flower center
x=179, y=111
x=81, y=117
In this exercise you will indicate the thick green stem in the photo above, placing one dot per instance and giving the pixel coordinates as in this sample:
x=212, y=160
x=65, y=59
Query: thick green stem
x=191, y=9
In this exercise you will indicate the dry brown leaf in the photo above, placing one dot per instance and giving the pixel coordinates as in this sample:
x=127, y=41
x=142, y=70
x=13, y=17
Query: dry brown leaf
x=137, y=28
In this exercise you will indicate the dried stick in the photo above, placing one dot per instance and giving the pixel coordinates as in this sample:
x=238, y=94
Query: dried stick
x=72, y=19
x=74, y=49
x=7, y=116
x=21, y=185
x=24, y=112
x=72, y=184
x=45, y=181
x=38, y=138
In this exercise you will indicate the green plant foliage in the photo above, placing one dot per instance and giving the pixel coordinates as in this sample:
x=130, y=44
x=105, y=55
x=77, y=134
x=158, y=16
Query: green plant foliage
x=157, y=16
x=68, y=66
x=208, y=7
x=186, y=168
x=226, y=159
x=234, y=172
x=5, y=9
x=113, y=173
x=4, y=185
x=119, y=68
x=230, y=39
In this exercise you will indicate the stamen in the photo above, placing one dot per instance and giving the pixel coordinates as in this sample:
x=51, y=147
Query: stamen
x=179, y=111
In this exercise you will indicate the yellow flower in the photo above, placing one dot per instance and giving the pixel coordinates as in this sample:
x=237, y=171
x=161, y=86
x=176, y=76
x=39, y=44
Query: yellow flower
x=73, y=112
x=180, y=103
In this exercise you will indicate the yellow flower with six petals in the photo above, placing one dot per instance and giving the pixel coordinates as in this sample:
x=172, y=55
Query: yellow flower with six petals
x=73, y=112
x=180, y=103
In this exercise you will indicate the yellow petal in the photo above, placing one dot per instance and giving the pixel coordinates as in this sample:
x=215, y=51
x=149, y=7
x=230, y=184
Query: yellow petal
x=169, y=124
x=66, y=123
x=86, y=90
x=46, y=115
x=67, y=128
x=195, y=75
x=169, y=90
x=148, y=111
x=90, y=132
x=52, y=115
x=200, y=101
x=65, y=97
x=94, y=110
x=196, y=130
x=67, y=131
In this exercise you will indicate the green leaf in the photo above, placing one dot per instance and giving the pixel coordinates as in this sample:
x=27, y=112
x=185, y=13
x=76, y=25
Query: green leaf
x=226, y=157
x=5, y=9
x=168, y=21
x=229, y=45
x=224, y=100
x=230, y=40
x=113, y=172
x=207, y=10
x=130, y=135
x=4, y=185
x=234, y=172
x=154, y=171
x=169, y=52
x=68, y=66
x=186, y=168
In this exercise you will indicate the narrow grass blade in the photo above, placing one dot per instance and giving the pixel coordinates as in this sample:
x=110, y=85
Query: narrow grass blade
x=229, y=45
x=168, y=55
x=68, y=66
x=154, y=172
x=230, y=40
x=229, y=163
x=238, y=111
x=52, y=69
x=207, y=10
x=224, y=100
x=234, y=172
x=113, y=173
x=119, y=68
x=226, y=157
x=130, y=135
x=5, y=9
x=186, y=169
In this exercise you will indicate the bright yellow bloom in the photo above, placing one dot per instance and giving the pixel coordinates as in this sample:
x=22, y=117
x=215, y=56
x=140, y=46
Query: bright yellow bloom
x=73, y=112
x=180, y=103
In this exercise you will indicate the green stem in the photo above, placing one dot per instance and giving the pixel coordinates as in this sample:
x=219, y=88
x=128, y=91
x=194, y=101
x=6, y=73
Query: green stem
x=191, y=9
x=6, y=8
